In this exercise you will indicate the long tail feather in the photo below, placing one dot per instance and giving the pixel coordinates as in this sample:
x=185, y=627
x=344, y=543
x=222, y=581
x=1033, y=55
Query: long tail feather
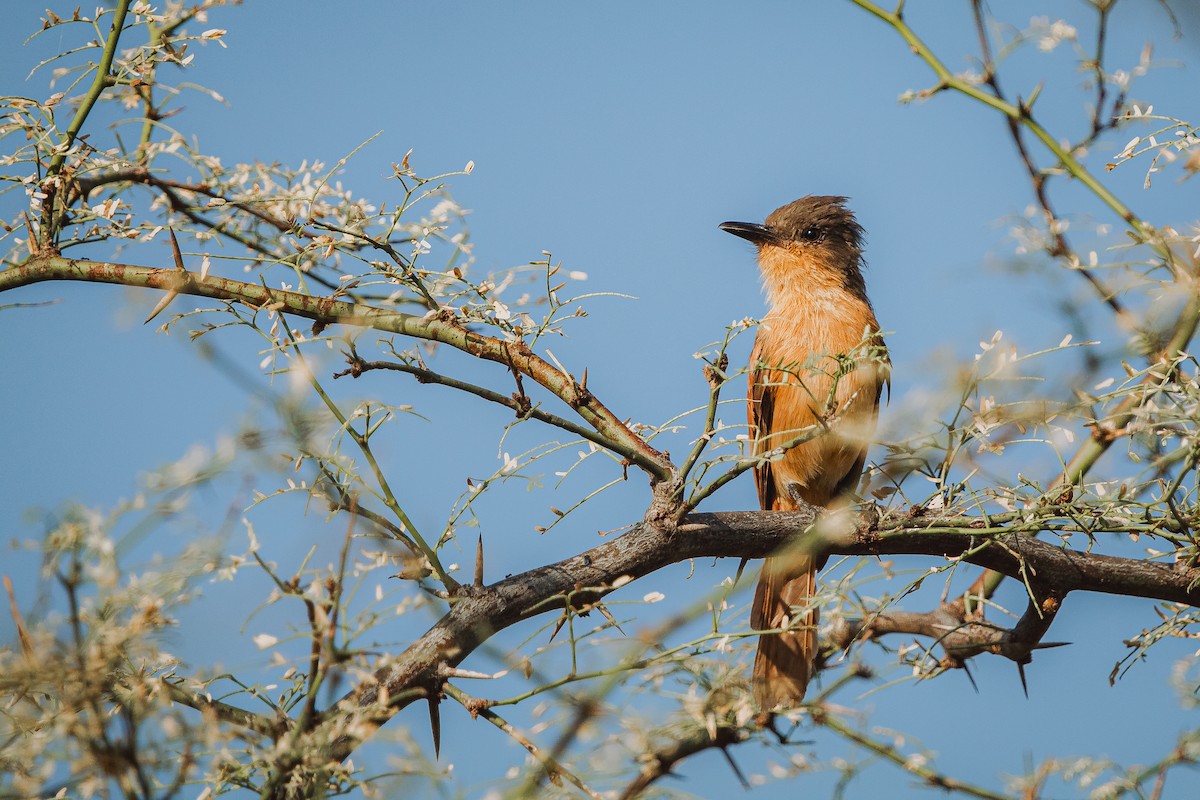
x=783, y=600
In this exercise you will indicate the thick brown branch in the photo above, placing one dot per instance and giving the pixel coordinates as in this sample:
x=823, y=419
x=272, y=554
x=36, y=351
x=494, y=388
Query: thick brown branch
x=477, y=614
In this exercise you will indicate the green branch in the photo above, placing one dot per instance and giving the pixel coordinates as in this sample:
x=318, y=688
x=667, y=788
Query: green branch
x=270, y=727
x=552, y=766
x=914, y=765
x=101, y=82
x=1019, y=113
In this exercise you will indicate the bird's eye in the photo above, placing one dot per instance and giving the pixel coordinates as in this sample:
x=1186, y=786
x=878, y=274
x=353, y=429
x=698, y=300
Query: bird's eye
x=811, y=234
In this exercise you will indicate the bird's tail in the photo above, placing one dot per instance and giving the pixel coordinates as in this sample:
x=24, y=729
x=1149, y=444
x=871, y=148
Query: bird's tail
x=784, y=662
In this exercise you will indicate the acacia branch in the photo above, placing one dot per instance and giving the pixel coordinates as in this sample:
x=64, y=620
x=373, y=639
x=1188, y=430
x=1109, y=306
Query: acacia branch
x=517, y=402
x=478, y=613
x=1019, y=118
x=443, y=328
x=960, y=632
x=948, y=80
x=272, y=727
x=1038, y=177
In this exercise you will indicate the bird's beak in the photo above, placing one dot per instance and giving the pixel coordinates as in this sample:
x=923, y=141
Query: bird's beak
x=751, y=231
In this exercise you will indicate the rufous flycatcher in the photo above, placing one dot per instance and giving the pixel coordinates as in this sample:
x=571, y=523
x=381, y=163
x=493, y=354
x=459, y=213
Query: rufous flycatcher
x=817, y=370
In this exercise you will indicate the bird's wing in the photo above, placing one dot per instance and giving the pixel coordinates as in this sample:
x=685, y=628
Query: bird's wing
x=760, y=408
x=882, y=368
x=767, y=400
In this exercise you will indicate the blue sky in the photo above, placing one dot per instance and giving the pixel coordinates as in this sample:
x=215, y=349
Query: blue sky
x=617, y=137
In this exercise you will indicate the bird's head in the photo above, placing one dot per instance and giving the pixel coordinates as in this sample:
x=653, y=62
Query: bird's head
x=815, y=238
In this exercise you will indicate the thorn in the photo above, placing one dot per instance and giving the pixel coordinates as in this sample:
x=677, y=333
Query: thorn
x=608, y=616
x=738, y=575
x=736, y=770
x=558, y=627
x=163, y=303
x=435, y=725
x=22, y=633
x=479, y=563
x=31, y=241
x=1045, y=645
x=583, y=383
x=1024, y=686
x=175, y=251
x=446, y=671
x=967, y=669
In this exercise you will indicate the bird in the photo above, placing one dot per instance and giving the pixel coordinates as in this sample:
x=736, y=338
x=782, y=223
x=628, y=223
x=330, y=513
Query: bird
x=817, y=371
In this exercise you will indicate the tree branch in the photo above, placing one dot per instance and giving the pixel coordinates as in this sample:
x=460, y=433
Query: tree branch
x=660, y=762
x=99, y=84
x=476, y=614
x=961, y=633
x=442, y=328
x=517, y=402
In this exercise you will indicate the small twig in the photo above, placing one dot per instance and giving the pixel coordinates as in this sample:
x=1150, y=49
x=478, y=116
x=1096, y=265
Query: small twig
x=272, y=726
x=948, y=80
x=658, y=763
x=915, y=766
x=362, y=442
x=748, y=463
x=517, y=403
x=1037, y=177
x=714, y=374
x=585, y=709
x=555, y=769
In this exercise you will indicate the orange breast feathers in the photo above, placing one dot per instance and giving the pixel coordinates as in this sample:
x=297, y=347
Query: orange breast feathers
x=818, y=360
